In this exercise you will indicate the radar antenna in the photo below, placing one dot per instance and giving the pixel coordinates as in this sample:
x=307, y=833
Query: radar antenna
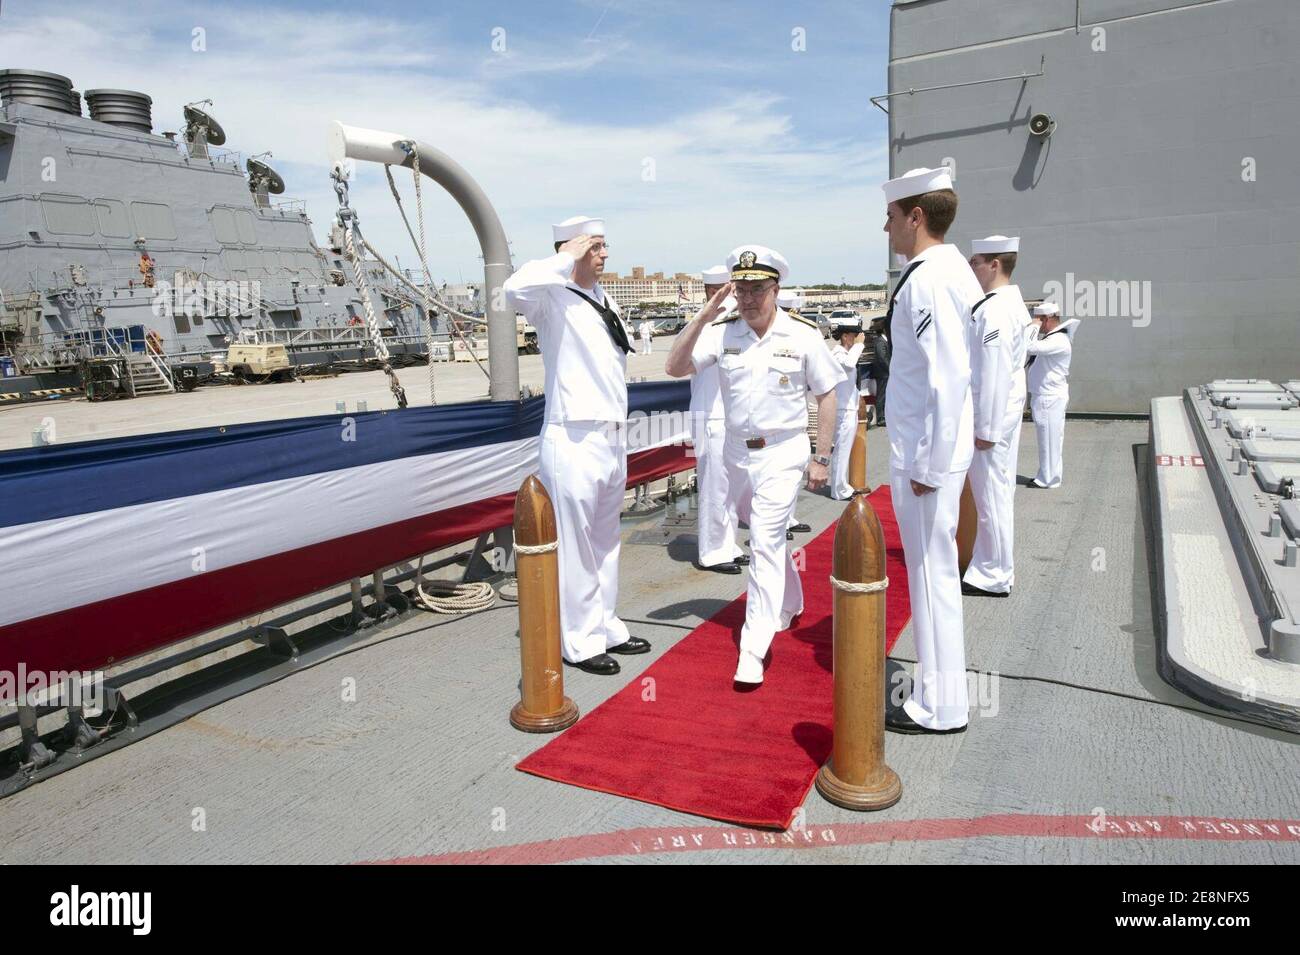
x=201, y=130
x=263, y=181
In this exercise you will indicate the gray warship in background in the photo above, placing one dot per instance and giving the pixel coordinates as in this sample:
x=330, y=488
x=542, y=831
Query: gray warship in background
x=1143, y=150
x=141, y=259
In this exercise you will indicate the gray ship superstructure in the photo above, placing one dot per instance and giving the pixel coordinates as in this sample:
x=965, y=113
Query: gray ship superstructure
x=109, y=230
x=1145, y=153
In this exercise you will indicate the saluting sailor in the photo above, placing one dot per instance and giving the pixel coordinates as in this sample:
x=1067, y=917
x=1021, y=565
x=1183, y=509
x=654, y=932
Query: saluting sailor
x=931, y=438
x=846, y=352
x=997, y=349
x=584, y=345
x=716, y=525
x=1048, y=375
x=767, y=360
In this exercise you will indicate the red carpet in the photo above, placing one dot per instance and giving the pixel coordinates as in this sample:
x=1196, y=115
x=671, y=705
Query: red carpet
x=690, y=742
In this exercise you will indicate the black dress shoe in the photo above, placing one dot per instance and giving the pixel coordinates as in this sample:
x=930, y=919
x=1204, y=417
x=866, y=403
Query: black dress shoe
x=800, y=528
x=742, y=560
x=970, y=590
x=631, y=645
x=897, y=721
x=727, y=567
x=601, y=664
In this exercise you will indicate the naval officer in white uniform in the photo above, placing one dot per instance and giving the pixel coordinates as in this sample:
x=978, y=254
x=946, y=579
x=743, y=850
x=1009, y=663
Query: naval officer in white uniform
x=716, y=515
x=767, y=360
x=931, y=439
x=846, y=352
x=584, y=345
x=1048, y=379
x=792, y=302
x=647, y=330
x=997, y=349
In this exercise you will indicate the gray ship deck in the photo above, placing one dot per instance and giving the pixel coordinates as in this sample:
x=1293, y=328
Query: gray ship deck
x=423, y=764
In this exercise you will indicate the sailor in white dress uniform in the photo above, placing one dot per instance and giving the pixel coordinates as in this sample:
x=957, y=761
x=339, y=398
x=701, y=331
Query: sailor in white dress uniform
x=584, y=345
x=716, y=513
x=997, y=347
x=1048, y=379
x=931, y=439
x=846, y=352
x=647, y=331
x=768, y=360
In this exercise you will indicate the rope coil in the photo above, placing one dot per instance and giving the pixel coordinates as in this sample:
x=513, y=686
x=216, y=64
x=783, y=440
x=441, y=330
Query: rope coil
x=536, y=548
x=448, y=597
x=871, y=587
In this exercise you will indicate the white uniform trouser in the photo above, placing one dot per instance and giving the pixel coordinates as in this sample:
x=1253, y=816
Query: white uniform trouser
x=1049, y=422
x=584, y=470
x=716, y=519
x=928, y=526
x=764, y=484
x=993, y=484
x=646, y=347
x=846, y=426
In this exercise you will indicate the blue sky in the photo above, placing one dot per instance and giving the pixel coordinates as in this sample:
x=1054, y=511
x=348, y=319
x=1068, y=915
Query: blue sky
x=691, y=127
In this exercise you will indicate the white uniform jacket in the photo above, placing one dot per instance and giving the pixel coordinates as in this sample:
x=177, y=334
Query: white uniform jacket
x=930, y=415
x=996, y=339
x=586, y=372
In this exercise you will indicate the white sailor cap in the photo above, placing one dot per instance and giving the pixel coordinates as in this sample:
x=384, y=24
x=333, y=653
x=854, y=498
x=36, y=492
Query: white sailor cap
x=995, y=245
x=718, y=275
x=1047, y=308
x=788, y=298
x=757, y=262
x=576, y=226
x=916, y=182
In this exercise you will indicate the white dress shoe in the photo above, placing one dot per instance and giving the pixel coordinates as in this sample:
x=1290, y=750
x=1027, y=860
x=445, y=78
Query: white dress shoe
x=749, y=669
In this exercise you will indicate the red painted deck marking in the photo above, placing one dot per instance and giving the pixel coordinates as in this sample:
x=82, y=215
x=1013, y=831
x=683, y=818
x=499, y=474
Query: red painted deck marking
x=644, y=842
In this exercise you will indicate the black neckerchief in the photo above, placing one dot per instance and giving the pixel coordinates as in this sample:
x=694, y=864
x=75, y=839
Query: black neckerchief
x=889, y=315
x=976, y=307
x=613, y=324
x=1048, y=335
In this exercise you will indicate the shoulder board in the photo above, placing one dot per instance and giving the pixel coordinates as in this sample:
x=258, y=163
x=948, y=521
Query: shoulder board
x=724, y=321
x=799, y=318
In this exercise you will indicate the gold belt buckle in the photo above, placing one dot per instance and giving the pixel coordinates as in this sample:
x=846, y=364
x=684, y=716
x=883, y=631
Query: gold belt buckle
x=756, y=442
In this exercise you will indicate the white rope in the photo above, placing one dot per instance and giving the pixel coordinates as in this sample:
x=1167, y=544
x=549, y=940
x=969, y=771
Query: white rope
x=372, y=323
x=449, y=597
x=536, y=548
x=873, y=587
x=442, y=306
x=429, y=293
x=424, y=264
x=446, y=596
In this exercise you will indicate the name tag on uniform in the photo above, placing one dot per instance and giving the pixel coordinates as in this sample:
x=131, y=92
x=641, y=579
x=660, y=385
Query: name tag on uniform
x=731, y=351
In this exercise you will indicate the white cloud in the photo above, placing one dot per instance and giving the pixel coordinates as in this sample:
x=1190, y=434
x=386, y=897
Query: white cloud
x=734, y=170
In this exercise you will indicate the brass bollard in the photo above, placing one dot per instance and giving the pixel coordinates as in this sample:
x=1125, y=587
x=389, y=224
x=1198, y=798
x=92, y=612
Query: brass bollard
x=968, y=520
x=856, y=776
x=542, y=707
x=858, y=454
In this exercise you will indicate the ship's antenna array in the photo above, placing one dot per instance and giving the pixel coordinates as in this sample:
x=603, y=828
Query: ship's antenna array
x=201, y=130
